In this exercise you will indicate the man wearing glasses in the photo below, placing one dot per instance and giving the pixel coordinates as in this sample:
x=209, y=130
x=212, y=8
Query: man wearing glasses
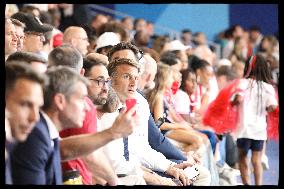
x=77, y=37
x=34, y=32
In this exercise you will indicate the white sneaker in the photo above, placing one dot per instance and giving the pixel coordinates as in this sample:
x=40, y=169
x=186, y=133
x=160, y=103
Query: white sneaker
x=264, y=162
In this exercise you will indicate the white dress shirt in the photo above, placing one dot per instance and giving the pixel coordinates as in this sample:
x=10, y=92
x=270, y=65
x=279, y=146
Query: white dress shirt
x=140, y=152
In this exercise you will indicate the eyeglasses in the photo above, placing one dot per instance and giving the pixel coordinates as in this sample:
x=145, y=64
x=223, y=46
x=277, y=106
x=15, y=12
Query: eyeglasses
x=101, y=82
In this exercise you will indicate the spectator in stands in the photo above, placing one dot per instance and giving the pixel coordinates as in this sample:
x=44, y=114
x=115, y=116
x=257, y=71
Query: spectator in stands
x=30, y=9
x=95, y=56
x=140, y=24
x=255, y=37
x=90, y=165
x=23, y=99
x=98, y=93
x=106, y=41
x=77, y=37
x=116, y=69
x=146, y=81
x=34, y=32
x=36, y=61
x=114, y=27
x=159, y=43
x=269, y=46
x=240, y=50
x=126, y=50
x=160, y=108
x=141, y=38
x=20, y=33
x=238, y=67
x=127, y=23
x=97, y=21
x=10, y=38
x=232, y=33
x=180, y=51
x=71, y=147
x=224, y=75
x=186, y=37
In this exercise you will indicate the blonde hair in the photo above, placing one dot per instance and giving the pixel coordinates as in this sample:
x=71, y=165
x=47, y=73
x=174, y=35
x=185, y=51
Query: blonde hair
x=164, y=72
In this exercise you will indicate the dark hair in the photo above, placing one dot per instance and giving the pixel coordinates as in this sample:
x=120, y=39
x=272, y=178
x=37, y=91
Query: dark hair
x=260, y=71
x=136, y=22
x=26, y=57
x=66, y=55
x=226, y=71
x=169, y=58
x=200, y=64
x=114, y=27
x=186, y=31
x=255, y=28
x=154, y=54
x=184, y=75
x=17, y=70
x=89, y=63
x=123, y=46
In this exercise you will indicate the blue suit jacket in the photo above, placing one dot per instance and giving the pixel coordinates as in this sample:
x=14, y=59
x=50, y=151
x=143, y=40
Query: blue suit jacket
x=34, y=161
x=160, y=143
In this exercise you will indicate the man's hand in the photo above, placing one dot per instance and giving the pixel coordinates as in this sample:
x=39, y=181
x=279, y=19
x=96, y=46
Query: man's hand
x=193, y=158
x=124, y=123
x=179, y=174
x=153, y=178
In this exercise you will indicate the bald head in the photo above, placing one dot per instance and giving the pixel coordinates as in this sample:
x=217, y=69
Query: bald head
x=77, y=37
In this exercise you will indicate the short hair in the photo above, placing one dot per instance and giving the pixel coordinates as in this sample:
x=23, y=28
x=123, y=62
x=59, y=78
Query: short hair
x=255, y=28
x=89, y=63
x=123, y=46
x=61, y=80
x=135, y=23
x=16, y=70
x=226, y=71
x=169, y=58
x=114, y=27
x=18, y=23
x=26, y=57
x=199, y=64
x=66, y=55
x=112, y=66
x=186, y=31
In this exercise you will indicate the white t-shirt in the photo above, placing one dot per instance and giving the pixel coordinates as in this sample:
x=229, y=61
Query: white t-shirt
x=181, y=102
x=252, y=118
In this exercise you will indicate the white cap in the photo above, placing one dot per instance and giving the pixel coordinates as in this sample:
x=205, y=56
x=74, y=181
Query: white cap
x=107, y=39
x=224, y=62
x=176, y=45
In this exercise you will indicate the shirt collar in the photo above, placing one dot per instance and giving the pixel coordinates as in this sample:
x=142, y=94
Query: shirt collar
x=53, y=133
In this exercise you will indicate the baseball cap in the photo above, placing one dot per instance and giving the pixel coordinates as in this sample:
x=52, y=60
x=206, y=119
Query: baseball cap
x=33, y=24
x=176, y=45
x=107, y=39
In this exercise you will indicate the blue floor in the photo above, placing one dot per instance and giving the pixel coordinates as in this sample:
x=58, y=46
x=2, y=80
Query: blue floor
x=270, y=176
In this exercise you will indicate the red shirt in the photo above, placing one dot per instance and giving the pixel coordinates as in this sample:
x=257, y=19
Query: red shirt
x=89, y=126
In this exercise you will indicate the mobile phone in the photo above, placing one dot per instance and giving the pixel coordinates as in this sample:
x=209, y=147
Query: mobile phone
x=160, y=122
x=130, y=103
x=191, y=172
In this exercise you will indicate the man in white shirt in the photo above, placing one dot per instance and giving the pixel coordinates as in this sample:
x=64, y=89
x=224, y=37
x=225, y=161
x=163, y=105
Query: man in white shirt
x=124, y=74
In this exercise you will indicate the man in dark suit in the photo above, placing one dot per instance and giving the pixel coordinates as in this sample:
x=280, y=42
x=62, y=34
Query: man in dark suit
x=23, y=98
x=37, y=161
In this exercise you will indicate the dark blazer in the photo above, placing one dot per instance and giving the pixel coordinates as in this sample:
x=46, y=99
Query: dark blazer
x=35, y=161
x=160, y=143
